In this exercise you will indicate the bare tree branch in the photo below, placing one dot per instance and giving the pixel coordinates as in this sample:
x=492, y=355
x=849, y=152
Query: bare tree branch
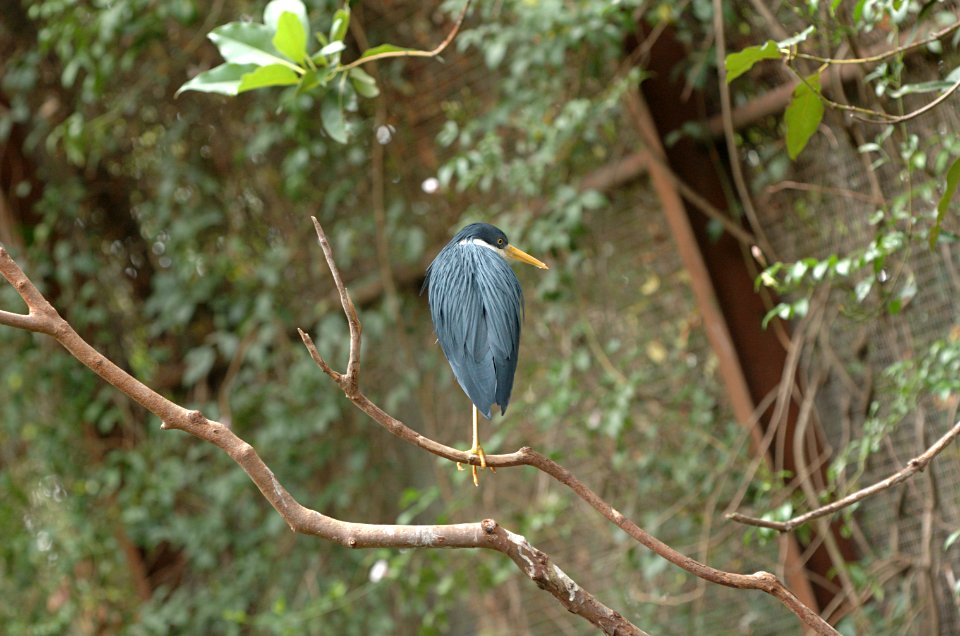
x=487, y=534
x=763, y=581
x=43, y=318
x=915, y=465
x=886, y=54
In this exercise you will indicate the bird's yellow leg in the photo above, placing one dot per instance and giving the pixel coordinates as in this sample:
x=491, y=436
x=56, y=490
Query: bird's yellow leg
x=477, y=450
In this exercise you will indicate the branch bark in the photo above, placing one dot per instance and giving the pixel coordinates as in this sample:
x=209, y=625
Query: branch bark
x=43, y=318
x=763, y=581
x=915, y=465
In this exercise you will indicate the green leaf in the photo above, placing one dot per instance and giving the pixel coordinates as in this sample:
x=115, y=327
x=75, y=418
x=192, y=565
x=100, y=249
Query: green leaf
x=333, y=120
x=247, y=43
x=272, y=75
x=921, y=87
x=363, y=83
x=803, y=115
x=276, y=8
x=929, y=87
x=341, y=22
x=742, y=61
x=386, y=48
x=224, y=79
x=953, y=178
x=291, y=39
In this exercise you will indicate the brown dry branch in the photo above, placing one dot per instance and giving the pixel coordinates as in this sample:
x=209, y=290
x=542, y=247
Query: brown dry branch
x=487, y=534
x=763, y=581
x=43, y=318
x=915, y=465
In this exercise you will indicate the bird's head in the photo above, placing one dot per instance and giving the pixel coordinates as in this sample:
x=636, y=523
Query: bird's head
x=492, y=237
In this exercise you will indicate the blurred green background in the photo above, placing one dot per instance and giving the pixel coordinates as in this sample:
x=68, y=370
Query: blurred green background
x=174, y=235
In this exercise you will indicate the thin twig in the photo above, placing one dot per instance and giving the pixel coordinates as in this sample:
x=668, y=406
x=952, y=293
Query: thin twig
x=896, y=119
x=351, y=379
x=696, y=200
x=869, y=115
x=412, y=53
x=886, y=54
x=915, y=465
x=813, y=187
x=736, y=169
x=627, y=168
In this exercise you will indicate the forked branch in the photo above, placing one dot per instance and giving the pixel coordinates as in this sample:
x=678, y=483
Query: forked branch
x=43, y=318
x=486, y=534
x=526, y=456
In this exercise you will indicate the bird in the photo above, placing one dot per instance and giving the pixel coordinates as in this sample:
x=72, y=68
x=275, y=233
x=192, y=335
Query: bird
x=476, y=305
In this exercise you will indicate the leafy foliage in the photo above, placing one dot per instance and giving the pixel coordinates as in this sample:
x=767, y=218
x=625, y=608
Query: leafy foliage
x=803, y=114
x=172, y=233
x=740, y=62
x=278, y=53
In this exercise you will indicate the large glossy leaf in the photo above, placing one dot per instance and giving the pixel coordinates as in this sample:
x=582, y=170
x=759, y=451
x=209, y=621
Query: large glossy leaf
x=247, y=43
x=273, y=11
x=271, y=75
x=224, y=79
x=803, y=115
x=290, y=38
x=742, y=61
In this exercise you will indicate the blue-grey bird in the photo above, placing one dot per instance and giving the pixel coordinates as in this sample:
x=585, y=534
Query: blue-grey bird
x=477, y=305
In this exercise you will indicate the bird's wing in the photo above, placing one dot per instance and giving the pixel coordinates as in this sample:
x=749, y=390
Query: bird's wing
x=476, y=304
x=459, y=321
x=503, y=309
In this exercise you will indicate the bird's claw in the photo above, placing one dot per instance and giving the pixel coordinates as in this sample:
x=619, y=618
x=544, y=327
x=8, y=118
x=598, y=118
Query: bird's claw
x=474, y=469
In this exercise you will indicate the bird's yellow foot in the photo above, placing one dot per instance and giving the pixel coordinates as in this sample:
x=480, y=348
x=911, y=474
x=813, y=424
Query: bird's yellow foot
x=474, y=469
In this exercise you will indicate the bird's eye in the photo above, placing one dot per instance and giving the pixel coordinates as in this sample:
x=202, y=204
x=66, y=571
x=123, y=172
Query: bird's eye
x=500, y=242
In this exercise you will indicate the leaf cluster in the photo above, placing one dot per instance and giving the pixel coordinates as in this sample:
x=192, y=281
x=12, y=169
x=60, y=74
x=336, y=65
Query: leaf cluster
x=280, y=52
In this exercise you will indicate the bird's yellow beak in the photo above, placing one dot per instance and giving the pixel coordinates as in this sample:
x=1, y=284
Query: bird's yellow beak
x=523, y=257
